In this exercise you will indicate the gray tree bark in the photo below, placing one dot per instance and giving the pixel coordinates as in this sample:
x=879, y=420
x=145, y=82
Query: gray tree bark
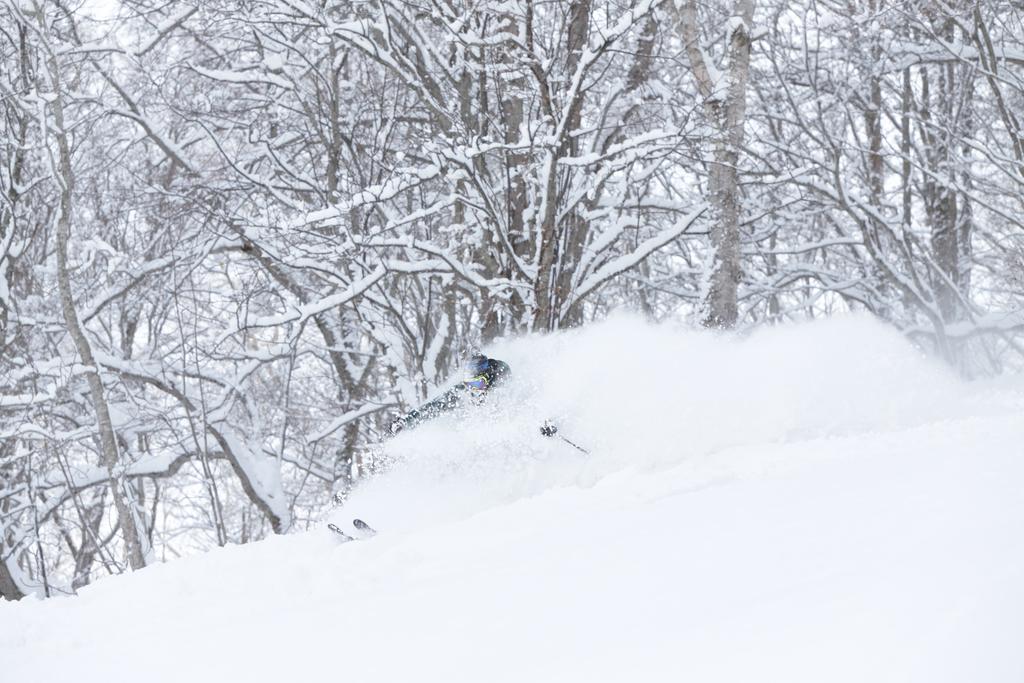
x=8, y=588
x=108, y=441
x=726, y=105
x=562, y=241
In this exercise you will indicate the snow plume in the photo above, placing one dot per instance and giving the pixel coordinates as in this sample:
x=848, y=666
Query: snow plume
x=647, y=397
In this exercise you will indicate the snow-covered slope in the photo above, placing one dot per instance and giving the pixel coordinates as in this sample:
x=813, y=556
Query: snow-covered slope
x=817, y=503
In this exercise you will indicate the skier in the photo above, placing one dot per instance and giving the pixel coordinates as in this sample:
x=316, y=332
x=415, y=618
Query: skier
x=484, y=374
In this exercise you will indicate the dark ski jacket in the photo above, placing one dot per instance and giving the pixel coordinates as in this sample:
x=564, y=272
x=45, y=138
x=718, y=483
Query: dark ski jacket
x=464, y=393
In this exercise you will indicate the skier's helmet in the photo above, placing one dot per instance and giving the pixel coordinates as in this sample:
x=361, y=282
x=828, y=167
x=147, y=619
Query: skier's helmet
x=478, y=364
x=485, y=372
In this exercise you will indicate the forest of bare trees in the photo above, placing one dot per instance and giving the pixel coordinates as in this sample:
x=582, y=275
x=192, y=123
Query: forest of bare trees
x=236, y=237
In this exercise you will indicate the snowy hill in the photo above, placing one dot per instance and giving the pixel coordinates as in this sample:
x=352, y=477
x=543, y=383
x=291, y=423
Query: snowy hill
x=817, y=503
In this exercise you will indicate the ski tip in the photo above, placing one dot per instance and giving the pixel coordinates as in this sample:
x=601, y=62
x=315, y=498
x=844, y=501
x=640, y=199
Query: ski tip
x=338, y=532
x=363, y=526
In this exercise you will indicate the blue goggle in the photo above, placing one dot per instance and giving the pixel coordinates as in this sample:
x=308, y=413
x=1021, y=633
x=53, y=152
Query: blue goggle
x=479, y=382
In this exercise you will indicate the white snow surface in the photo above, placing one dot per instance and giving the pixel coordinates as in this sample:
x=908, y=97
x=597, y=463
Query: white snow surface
x=815, y=503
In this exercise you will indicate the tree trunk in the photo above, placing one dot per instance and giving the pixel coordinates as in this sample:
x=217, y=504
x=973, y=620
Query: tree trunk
x=721, y=301
x=574, y=230
x=108, y=441
x=9, y=589
x=562, y=241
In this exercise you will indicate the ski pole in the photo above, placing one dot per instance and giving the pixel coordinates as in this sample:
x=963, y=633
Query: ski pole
x=574, y=445
x=549, y=429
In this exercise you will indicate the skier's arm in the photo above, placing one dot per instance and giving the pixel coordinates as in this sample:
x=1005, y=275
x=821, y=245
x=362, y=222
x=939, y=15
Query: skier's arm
x=447, y=401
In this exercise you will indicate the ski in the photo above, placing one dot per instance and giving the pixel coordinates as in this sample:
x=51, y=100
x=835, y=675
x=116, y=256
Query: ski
x=345, y=538
x=364, y=527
